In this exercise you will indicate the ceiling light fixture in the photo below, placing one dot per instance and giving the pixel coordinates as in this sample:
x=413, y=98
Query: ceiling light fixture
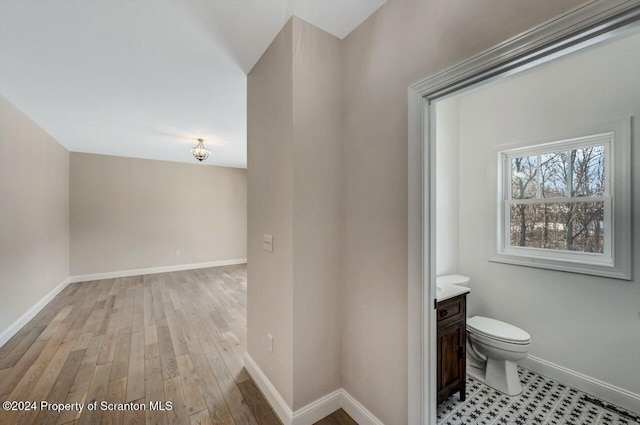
x=199, y=151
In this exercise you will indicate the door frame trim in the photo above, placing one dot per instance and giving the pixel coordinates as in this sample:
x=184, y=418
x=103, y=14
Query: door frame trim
x=589, y=23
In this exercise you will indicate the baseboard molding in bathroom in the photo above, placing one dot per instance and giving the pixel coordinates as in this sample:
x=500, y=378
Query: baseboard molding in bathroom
x=584, y=383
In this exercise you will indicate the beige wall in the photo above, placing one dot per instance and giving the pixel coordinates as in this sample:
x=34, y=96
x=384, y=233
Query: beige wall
x=270, y=211
x=34, y=213
x=294, y=186
x=317, y=212
x=402, y=43
x=128, y=213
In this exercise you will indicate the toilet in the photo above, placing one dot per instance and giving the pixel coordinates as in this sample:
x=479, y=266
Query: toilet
x=493, y=347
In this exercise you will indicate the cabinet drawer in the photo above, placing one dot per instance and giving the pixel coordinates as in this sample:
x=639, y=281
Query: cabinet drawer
x=451, y=310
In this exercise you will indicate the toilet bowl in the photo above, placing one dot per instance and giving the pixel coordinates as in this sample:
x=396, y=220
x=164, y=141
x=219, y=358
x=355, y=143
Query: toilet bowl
x=493, y=348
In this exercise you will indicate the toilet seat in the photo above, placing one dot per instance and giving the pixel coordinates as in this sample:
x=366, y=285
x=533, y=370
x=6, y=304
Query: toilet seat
x=498, y=331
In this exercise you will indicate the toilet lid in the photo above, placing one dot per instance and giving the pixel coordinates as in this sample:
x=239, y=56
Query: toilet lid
x=496, y=329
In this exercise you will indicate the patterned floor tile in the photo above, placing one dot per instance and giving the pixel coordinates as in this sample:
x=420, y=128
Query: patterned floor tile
x=453, y=403
x=610, y=418
x=482, y=408
x=537, y=400
x=526, y=376
x=573, y=409
x=543, y=401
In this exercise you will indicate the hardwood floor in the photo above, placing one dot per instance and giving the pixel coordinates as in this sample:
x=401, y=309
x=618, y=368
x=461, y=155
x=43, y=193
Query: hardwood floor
x=176, y=337
x=339, y=417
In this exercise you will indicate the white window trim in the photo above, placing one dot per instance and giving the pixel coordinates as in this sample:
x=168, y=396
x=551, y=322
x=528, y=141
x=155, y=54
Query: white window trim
x=504, y=196
x=615, y=262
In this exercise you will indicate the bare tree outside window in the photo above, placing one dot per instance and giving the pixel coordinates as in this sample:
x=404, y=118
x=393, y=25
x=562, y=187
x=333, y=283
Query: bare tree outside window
x=552, y=205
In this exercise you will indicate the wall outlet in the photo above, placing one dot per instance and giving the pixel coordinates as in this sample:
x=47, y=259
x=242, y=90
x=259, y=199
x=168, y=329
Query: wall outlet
x=270, y=343
x=267, y=243
x=177, y=252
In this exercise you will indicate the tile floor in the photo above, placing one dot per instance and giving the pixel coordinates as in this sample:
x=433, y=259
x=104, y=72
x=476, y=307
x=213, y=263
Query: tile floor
x=543, y=401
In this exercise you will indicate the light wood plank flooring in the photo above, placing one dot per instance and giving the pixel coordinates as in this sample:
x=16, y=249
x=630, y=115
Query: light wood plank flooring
x=339, y=417
x=172, y=336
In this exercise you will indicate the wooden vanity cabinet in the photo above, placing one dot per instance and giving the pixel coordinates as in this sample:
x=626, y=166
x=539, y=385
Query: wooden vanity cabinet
x=452, y=339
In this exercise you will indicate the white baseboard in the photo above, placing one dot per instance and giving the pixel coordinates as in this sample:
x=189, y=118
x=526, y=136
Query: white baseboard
x=357, y=411
x=314, y=411
x=584, y=383
x=279, y=406
x=153, y=270
x=31, y=313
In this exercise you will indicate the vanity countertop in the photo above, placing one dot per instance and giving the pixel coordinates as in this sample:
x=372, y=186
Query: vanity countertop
x=445, y=292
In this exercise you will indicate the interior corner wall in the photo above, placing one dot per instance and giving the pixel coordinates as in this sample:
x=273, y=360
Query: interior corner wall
x=402, y=43
x=270, y=211
x=34, y=214
x=317, y=212
x=294, y=185
x=131, y=214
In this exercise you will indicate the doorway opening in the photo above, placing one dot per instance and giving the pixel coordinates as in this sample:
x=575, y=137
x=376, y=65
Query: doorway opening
x=435, y=104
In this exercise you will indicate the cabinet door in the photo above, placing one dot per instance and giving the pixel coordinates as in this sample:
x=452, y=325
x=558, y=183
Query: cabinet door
x=451, y=359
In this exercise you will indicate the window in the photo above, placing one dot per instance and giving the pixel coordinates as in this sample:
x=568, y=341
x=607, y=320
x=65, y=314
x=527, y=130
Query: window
x=560, y=199
x=564, y=204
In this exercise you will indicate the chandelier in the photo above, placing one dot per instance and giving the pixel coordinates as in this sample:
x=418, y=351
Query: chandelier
x=199, y=151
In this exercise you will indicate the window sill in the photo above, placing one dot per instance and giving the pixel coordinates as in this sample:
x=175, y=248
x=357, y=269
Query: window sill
x=564, y=266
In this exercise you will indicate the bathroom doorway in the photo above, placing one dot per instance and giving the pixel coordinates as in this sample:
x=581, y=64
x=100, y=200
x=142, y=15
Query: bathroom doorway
x=455, y=227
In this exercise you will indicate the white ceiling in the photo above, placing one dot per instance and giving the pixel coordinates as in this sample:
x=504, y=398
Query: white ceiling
x=145, y=78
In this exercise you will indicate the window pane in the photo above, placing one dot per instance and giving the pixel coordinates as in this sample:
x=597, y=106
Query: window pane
x=523, y=177
x=570, y=227
x=588, y=171
x=553, y=175
x=586, y=227
x=538, y=226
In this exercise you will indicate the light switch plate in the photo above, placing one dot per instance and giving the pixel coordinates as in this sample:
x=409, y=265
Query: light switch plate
x=267, y=243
